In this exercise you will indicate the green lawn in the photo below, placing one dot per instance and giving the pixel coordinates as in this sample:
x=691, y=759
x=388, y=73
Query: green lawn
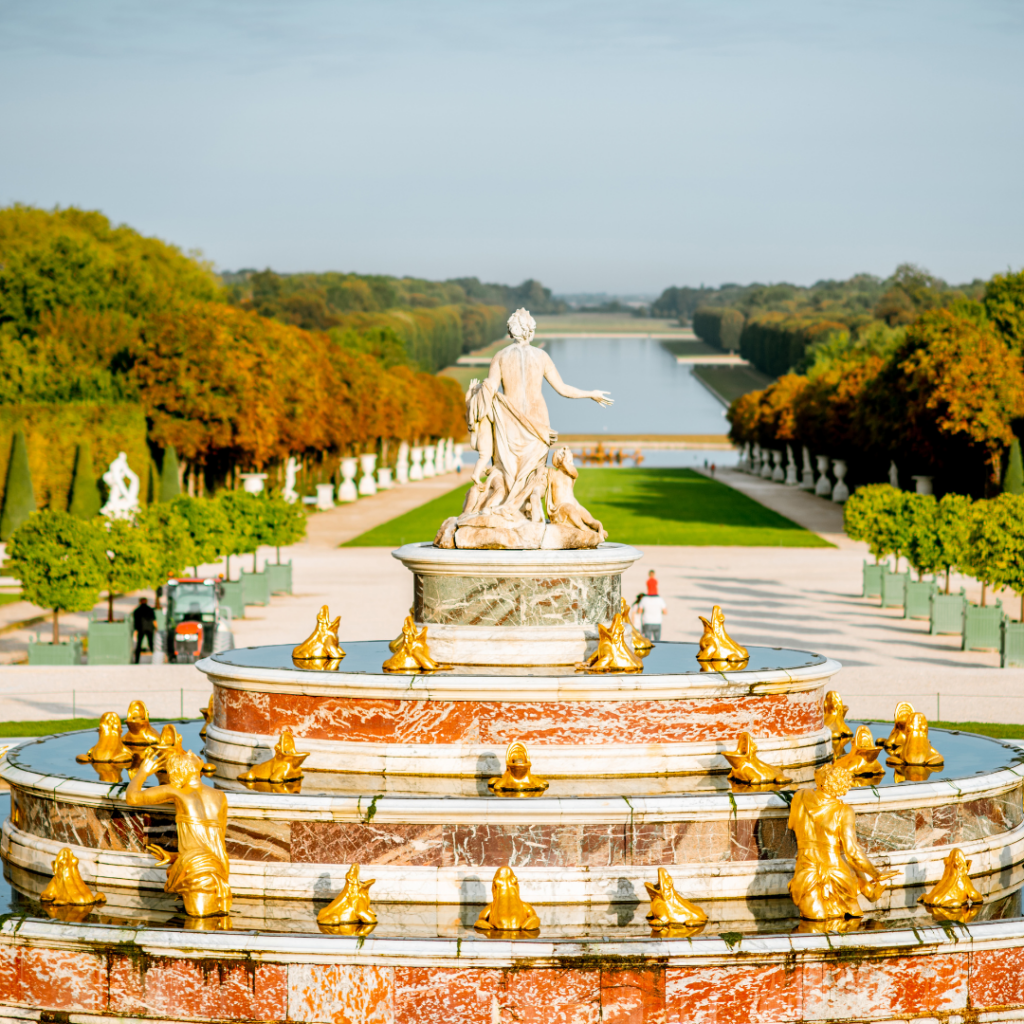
x=45, y=728
x=731, y=381
x=636, y=506
x=10, y=598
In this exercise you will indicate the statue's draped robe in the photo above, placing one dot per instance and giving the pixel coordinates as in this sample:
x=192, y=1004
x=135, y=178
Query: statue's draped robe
x=823, y=877
x=201, y=866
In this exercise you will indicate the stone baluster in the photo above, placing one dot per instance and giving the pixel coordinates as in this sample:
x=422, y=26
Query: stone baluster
x=791, y=477
x=840, y=492
x=807, y=478
x=367, y=484
x=347, y=491
x=778, y=473
x=416, y=471
x=402, y=464
x=823, y=488
x=429, y=454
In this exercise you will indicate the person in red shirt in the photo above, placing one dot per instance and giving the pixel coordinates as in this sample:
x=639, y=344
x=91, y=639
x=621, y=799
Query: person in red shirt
x=652, y=583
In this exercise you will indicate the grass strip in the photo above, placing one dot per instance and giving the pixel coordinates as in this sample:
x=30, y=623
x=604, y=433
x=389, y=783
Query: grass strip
x=46, y=728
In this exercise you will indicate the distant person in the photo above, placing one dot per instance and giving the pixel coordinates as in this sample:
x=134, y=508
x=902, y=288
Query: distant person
x=712, y=469
x=652, y=583
x=652, y=609
x=144, y=622
x=705, y=463
x=634, y=612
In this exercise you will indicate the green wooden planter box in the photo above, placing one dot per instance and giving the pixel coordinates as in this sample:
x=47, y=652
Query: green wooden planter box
x=947, y=613
x=894, y=588
x=872, y=579
x=983, y=627
x=110, y=643
x=55, y=654
x=918, y=604
x=231, y=597
x=255, y=587
x=1012, y=649
x=279, y=577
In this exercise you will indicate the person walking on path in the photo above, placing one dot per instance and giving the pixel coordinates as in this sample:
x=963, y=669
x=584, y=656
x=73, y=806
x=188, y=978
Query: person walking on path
x=144, y=622
x=652, y=609
x=652, y=583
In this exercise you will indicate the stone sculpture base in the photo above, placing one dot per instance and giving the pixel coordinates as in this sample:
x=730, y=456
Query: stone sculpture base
x=488, y=533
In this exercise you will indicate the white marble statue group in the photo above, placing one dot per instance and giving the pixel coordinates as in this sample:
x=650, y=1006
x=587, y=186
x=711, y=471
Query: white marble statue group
x=511, y=482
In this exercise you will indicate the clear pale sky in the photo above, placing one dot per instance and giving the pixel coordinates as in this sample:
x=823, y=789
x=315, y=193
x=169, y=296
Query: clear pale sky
x=596, y=146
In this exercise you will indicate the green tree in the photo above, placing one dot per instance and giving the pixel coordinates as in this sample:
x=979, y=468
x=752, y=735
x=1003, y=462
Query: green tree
x=999, y=534
x=1013, y=483
x=877, y=514
x=85, y=500
x=952, y=533
x=922, y=548
x=245, y=517
x=208, y=527
x=284, y=523
x=19, y=499
x=171, y=542
x=131, y=559
x=170, y=484
x=60, y=561
x=1004, y=304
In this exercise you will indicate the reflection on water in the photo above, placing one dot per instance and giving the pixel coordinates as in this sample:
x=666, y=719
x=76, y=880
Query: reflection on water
x=653, y=393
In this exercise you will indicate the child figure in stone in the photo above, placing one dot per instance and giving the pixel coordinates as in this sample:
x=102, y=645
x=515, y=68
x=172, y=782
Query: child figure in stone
x=562, y=504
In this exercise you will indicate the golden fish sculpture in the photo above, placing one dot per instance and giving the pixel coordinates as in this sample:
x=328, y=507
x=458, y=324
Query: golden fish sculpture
x=863, y=758
x=352, y=905
x=917, y=749
x=900, y=718
x=322, y=643
x=747, y=767
x=954, y=888
x=517, y=777
x=284, y=766
x=67, y=886
x=140, y=733
x=716, y=644
x=198, y=871
x=110, y=748
x=668, y=907
x=835, y=716
x=614, y=653
x=410, y=652
x=641, y=644
x=832, y=870
x=207, y=714
x=507, y=912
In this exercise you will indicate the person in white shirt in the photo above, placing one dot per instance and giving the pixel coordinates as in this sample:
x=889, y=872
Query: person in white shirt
x=652, y=609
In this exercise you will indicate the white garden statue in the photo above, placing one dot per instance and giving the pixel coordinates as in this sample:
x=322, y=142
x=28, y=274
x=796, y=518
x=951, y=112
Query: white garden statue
x=123, y=489
x=291, y=471
x=402, y=464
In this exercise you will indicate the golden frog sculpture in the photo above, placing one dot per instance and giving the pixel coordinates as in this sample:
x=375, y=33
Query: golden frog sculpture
x=832, y=871
x=955, y=888
x=67, y=886
x=199, y=871
x=410, y=652
x=668, y=907
x=284, y=766
x=207, y=714
x=507, y=912
x=517, y=777
x=322, y=643
x=747, y=767
x=716, y=644
x=863, y=758
x=835, y=716
x=917, y=750
x=352, y=905
x=614, y=653
x=140, y=733
x=640, y=643
x=171, y=740
x=898, y=736
x=109, y=748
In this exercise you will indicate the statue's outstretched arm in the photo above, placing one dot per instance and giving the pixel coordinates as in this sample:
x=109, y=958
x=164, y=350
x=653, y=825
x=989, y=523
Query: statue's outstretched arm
x=554, y=378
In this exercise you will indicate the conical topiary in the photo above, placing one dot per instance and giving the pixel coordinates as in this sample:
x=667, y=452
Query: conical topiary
x=170, y=486
x=85, y=501
x=1014, y=481
x=19, y=498
x=152, y=484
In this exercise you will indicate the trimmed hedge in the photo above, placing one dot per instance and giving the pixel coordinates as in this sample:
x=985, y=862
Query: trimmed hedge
x=776, y=343
x=55, y=430
x=720, y=326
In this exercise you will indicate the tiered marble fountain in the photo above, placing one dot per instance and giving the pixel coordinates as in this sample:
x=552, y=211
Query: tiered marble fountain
x=396, y=782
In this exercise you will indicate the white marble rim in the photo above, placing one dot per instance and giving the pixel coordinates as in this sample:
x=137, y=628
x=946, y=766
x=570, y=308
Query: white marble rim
x=520, y=688
x=607, y=559
x=548, y=884
x=611, y=760
x=480, y=952
x=537, y=810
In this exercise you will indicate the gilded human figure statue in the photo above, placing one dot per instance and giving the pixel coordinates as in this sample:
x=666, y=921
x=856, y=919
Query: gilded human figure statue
x=511, y=432
x=832, y=871
x=199, y=871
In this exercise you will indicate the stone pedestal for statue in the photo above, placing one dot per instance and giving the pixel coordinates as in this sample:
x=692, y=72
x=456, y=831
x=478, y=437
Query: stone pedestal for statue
x=840, y=492
x=324, y=496
x=416, y=469
x=384, y=481
x=823, y=488
x=429, y=468
x=923, y=484
x=778, y=473
x=367, y=484
x=766, y=464
x=347, y=491
x=253, y=483
x=402, y=464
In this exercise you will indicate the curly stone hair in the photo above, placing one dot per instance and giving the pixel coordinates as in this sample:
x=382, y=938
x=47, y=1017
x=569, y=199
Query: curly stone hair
x=521, y=324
